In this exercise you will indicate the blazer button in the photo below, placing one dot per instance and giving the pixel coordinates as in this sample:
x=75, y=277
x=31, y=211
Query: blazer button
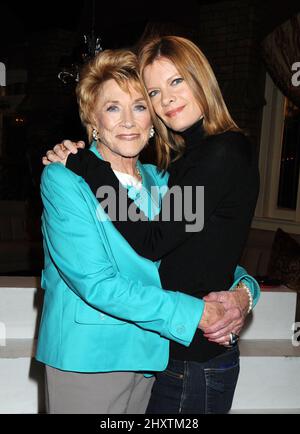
x=180, y=329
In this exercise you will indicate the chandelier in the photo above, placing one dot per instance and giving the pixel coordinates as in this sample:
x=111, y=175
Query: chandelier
x=90, y=46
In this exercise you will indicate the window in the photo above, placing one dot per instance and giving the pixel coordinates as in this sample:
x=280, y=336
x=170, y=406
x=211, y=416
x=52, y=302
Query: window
x=290, y=158
x=279, y=199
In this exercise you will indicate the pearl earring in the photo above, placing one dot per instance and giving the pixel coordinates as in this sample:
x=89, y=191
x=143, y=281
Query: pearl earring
x=95, y=134
x=151, y=133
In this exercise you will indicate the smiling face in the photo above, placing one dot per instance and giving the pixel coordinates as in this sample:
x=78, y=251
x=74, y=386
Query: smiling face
x=171, y=97
x=122, y=119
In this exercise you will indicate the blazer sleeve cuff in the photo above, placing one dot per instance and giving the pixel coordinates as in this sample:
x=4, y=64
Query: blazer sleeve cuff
x=185, y=320
x=241, y=274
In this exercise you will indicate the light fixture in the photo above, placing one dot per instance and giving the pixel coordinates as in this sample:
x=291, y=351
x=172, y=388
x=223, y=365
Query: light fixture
x=89, y=47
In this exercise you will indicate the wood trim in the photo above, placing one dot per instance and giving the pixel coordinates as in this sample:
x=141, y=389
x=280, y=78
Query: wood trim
x=269, y=161
x=271, y=224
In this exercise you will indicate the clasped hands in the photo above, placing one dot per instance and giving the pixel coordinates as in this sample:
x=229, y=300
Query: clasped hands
x=224, y=313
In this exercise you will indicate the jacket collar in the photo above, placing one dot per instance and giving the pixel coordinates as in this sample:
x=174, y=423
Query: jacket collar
x=148, y=181
x=148, y=184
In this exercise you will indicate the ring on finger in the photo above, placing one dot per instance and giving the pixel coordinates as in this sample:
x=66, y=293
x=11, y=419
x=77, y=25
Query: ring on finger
x=233, y=339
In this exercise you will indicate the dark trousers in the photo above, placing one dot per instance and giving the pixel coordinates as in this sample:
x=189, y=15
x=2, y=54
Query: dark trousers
x=199, y=388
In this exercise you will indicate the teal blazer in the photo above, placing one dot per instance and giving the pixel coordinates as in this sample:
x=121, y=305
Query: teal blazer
x=104, y=308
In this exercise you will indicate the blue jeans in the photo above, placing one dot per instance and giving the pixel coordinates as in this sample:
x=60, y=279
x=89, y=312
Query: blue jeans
x=199, y=388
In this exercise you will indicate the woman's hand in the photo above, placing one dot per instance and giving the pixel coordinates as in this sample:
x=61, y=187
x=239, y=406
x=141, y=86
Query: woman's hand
x=213, y=313
x=236, y=305
x=61, y=152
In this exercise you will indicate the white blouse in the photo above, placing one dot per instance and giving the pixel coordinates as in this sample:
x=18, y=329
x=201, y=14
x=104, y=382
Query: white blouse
x=127, y=179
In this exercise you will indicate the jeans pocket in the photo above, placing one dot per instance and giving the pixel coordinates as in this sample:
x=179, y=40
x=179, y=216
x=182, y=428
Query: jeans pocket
x=220, y=387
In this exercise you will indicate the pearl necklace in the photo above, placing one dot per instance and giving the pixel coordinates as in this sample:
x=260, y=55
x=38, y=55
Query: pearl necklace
x=138, y=172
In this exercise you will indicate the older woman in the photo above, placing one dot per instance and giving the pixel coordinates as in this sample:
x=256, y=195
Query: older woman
x=106, y=319
x=124, y=127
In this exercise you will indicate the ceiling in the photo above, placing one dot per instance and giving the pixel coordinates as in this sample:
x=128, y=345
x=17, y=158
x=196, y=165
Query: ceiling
x=116, y=19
